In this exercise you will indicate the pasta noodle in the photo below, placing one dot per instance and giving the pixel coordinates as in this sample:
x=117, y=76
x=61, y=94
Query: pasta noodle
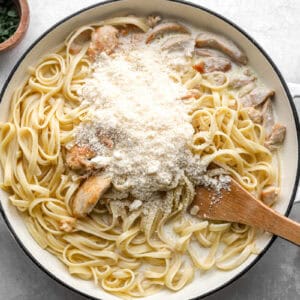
x=124, y=252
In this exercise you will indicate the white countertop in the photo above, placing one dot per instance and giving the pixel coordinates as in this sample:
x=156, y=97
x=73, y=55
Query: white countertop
x=276, y=26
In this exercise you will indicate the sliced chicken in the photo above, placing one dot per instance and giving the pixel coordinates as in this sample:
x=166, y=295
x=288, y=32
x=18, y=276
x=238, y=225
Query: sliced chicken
x=78, y=157
x=164, y=28
x=267, y=116
x=67, y=224
x=212, y=64
x=240, y=81
x=153, y=20
x=276, y=137
x=78, y=43
x=215, y=41
x=254, y=115
x=176, y=41
x=269, y=195
x=104, y=39
x=89, y=194
x=256, y=96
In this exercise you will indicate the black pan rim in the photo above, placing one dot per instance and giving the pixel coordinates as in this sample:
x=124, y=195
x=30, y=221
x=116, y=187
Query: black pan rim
x=276, y=70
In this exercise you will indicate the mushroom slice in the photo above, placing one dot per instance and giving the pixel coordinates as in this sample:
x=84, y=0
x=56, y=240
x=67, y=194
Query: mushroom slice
x=104, y=39
x=212, y=64
x=276, y=137
x=267, y=116
x=176, y=41
x=89, y=194
x=77, y=157
x=215, y=41
x=165, y=27
x=256, y=96
x=269, y=194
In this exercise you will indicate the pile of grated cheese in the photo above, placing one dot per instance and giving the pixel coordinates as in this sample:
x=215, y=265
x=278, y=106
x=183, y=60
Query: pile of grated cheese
x=134, y=101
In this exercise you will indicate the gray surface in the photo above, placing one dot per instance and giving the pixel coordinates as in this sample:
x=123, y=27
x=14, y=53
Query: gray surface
x=277, y=275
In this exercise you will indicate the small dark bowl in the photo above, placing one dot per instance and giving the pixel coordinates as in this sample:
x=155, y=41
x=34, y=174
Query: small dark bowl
x=23, y=9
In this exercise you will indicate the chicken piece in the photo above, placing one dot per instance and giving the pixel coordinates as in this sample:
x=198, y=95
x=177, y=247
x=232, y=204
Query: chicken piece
x=176, y=41
x=267, y=116
x=256, y=96
x=104, y=39
x=153, y=20
x=269, y=194
x=78, y=43
x=89, y=194
x=215, y=41
x=254, y=115
x=67, y=224
x=193, y=93
x=164, y=28
x=276, y=137
x=240, y=81
x=78, y=157
x=212, y=64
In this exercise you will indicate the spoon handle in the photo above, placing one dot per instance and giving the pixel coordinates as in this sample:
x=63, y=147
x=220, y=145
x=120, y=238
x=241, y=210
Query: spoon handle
x=253, y=212
x=266, y=218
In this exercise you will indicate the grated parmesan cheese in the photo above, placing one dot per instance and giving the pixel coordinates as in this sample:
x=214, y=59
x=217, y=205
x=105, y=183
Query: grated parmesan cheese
x=136, y=124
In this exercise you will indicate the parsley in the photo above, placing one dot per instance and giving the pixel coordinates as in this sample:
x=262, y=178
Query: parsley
x=9, y=19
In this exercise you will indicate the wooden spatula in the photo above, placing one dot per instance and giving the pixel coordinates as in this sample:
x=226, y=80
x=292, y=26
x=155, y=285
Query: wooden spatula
x=238, y=205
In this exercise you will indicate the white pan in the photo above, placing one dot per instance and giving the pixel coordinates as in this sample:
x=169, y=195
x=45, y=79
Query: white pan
x=284, y=107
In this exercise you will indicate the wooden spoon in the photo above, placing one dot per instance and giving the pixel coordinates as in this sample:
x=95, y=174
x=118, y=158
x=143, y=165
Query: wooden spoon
x=238, y=205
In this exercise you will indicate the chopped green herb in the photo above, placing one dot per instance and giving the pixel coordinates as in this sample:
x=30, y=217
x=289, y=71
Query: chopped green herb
x=9, y=19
